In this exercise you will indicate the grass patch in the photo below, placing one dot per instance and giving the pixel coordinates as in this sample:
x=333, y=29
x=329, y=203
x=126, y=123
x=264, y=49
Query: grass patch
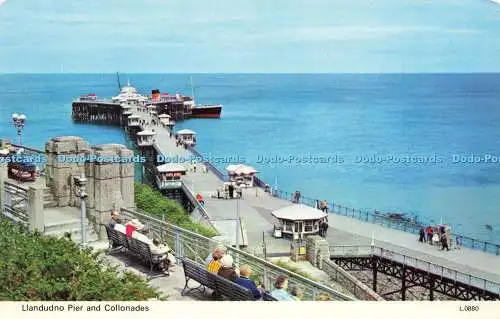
x=156, y=204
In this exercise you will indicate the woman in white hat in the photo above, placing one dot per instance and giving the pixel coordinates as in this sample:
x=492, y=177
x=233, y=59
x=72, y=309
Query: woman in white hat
x=227, y=270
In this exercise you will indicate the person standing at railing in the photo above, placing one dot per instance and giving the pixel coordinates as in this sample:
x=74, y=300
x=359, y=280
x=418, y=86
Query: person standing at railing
x=324, y=206
x=199, y=199
x=459, y=241
x=421, y=235
x=429, y=233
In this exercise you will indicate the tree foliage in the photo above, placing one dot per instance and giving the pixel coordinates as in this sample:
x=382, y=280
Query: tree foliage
x=154, y=203
x=38, y=267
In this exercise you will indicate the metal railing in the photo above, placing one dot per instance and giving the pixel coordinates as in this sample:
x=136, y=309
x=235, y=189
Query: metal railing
x=197, y=248
x=28, y=151
x=429, y=267
x=15, y=203
x=394, y=223
x=209, y=165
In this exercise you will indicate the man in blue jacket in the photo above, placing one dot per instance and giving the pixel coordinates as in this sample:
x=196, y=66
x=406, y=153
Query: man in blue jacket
x=245, y=281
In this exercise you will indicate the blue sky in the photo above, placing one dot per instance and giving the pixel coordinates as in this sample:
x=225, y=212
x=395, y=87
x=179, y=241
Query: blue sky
x=249, y=36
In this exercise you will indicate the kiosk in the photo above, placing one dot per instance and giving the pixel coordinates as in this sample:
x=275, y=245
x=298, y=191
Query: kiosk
x=241, y=175
x=187, y=137
x=298, y=221
x=169, y=175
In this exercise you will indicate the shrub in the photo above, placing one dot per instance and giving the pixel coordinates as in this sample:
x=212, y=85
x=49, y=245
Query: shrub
x=37, y=267
x=156, y=204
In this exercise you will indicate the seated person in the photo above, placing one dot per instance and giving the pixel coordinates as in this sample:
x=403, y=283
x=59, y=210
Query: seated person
x=226, y=269
x=213, y=261
x=297, y=293
x=245, y=281
x=115, y=219
x=134, y=225
x=280, y=292
x=162, y=252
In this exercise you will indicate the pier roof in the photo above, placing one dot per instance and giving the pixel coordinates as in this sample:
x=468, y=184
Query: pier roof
x=171, y=167
x=164, y=116
x=241, y=169
x=146, y=132
x=298, y=212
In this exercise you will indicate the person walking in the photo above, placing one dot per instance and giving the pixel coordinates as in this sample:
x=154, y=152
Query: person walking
x=444, y=242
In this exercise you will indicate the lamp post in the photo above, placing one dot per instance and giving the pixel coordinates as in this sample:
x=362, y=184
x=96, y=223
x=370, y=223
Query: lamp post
x=237, y=228
x=18, y=121
x=80, y=183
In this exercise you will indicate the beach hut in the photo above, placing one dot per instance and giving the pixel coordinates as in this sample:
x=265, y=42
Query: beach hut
x=298, y=220
x=187, y=137
x=168, y=175
x=145, y=138
x=241, y=175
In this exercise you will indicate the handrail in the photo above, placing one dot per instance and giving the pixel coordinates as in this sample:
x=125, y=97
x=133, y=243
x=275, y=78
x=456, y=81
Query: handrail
x=243, y=255
x=430, y=267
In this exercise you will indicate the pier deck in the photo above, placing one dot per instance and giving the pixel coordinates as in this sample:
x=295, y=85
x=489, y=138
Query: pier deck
x=256, y=206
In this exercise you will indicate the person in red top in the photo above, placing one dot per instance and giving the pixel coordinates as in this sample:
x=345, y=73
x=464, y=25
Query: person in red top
x=429, y=233
x=199, y=198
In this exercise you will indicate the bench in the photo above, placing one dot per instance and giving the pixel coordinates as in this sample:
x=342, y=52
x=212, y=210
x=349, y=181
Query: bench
x=221, y=286
x=135, y=247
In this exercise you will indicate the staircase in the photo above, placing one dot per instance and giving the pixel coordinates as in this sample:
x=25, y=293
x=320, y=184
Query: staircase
x=48, y=198
x=73, y=227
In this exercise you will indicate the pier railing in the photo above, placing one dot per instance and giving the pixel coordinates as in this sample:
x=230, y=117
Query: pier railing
x=209, y=165
x=197, y=247
x=394, y=223
x=458, y=276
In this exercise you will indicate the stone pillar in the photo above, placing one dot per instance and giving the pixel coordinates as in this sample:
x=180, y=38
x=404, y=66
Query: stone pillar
x=317, y=250
x=35, y=208
x=3, y=178
x=113, y=183
x=59, y=172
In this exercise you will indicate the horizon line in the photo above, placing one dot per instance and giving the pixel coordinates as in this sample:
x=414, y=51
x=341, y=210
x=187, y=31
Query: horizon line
x=233, y=73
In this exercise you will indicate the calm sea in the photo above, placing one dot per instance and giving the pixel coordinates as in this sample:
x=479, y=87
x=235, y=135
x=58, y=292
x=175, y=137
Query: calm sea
x=345, y=138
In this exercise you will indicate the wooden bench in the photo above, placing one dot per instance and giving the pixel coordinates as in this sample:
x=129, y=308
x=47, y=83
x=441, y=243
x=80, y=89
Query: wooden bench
x=221, y=286
x=135, y=247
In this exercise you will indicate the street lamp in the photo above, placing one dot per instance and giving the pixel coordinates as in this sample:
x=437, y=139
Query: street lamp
x=18, y=121
x=80, y=183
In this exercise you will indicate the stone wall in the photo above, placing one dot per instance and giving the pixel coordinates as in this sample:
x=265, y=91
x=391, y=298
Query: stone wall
x=110, y=184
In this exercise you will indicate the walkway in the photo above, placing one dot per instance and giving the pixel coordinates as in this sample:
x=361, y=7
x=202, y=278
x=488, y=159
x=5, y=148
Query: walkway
x=256, y=207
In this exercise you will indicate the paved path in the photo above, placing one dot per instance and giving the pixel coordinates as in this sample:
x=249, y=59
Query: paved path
x=256, y=208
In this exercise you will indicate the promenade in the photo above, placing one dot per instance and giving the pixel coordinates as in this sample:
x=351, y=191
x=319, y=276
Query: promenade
x=256, y=206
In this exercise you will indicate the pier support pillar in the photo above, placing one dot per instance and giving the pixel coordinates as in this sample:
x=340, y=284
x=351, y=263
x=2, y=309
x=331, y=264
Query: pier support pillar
x=374, y=269
x=431, y=288
x=403, y=283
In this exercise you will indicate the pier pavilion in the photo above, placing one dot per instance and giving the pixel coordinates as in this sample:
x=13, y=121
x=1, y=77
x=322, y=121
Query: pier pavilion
x=241, y=175
x=188, y=137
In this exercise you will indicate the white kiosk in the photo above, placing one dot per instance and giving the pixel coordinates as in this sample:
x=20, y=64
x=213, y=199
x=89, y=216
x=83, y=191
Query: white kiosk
x=241, y=175
x=298, y=221
x=169, y=175
x=133, y=120
x=145, y=138
x=187, y=137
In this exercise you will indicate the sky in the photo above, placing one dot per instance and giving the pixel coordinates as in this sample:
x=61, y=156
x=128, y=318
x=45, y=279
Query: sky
x=226, y=36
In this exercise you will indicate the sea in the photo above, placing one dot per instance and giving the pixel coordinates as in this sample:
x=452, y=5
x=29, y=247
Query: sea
x=420, y=144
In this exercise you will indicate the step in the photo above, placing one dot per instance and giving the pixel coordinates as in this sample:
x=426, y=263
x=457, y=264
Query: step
x=64, y=225
x=49, y=204
x=75, y=234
